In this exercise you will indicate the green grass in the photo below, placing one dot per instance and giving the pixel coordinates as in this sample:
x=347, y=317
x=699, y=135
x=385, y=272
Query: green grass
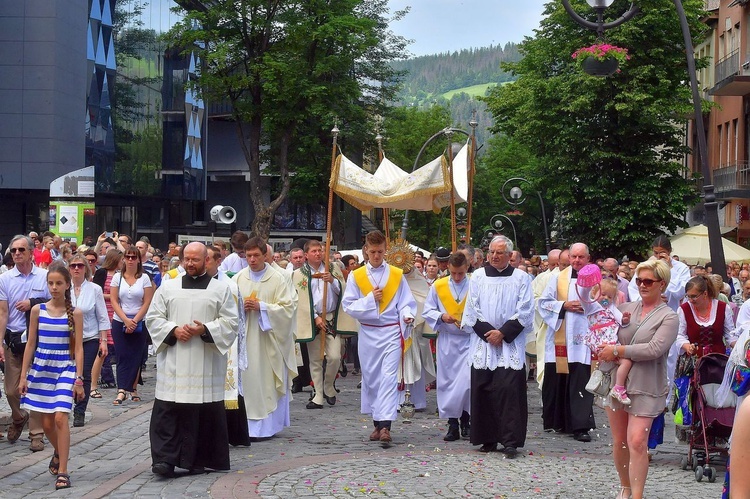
x=474, y=90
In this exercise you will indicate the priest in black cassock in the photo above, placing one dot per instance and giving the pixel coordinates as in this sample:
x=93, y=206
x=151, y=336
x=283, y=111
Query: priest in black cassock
x=193, y=323
x=500, y=311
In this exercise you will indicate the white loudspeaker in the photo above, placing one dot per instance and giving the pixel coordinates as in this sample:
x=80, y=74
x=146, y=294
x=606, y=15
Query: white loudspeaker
x=223, y=214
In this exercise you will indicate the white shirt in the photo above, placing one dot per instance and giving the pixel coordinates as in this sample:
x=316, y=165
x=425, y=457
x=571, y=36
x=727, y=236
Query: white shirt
x=130, y=297
x=15, y=287
x=233, y=263
x=91, y=302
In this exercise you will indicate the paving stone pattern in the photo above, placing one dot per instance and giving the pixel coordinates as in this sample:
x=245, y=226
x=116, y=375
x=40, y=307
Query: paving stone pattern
x=327, y=454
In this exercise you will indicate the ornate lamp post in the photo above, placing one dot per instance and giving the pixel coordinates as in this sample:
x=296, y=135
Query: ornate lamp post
x=496, y=222
x=513, y=195
x=709, y=197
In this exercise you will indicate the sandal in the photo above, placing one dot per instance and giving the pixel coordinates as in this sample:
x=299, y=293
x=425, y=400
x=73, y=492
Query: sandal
x=62, y=482
x=95, y=394
x=119, y=400
x=54, y=464
x=135, y=397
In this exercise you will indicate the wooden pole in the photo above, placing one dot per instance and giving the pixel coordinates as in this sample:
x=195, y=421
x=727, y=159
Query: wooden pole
x=472, y=169
x=326, y=258
x=386, y=211
x=449, y=134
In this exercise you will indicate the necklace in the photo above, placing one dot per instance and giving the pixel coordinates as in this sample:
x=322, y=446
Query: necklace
x=704, y=317
x=372, y=277
x=458, y=292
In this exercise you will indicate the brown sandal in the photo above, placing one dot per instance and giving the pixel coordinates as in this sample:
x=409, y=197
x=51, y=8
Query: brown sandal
x=54, y=464
x=62, y=482
x=95, y=394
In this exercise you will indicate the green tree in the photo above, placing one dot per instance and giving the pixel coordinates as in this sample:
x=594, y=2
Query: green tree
x=609, y=149
x=290, y=70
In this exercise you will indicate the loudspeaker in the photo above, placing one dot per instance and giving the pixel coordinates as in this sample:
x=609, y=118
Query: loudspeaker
x=223, y=214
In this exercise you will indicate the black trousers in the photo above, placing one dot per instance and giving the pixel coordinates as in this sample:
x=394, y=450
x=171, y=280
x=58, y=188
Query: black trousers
x=566, y=405
x=90, y=351
x=189, y=435
x=499, y=407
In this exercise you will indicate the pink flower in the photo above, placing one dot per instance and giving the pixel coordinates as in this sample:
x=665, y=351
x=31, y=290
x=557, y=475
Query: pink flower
x=602, y=51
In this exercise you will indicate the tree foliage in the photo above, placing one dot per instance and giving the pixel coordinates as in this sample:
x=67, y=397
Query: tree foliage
x=608, y=150
x=290, y=70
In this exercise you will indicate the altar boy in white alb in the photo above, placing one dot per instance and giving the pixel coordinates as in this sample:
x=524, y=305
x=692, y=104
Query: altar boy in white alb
x=443, y=311
x=193, y=323
x=378, y=296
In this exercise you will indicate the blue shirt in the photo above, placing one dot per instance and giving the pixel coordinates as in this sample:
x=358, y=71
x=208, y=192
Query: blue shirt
x=15, y=287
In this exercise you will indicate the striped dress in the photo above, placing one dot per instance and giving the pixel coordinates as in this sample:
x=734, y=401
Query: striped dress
x=53, y=372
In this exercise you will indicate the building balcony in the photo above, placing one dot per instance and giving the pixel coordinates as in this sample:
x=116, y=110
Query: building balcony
x=732, y=181
x=731, y=77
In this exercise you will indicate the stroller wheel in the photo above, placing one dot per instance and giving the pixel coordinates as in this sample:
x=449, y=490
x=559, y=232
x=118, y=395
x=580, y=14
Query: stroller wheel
x=711, y=475
x=684, y=463
x=698, y=474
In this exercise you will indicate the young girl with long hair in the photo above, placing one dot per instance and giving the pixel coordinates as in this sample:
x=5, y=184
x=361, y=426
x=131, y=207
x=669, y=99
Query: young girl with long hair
x=52, y=369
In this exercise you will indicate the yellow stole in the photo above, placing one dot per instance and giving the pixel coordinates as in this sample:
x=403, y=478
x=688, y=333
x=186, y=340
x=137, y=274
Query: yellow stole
x=561, y=344
x=390, y=289
x=452, y=307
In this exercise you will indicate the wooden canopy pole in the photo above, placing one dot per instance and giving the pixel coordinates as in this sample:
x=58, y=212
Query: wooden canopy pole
x=454, y=246
x=472, y=170
x=326, y=257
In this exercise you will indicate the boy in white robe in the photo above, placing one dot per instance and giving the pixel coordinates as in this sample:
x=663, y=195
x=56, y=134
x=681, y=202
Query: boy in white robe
x=443, y=311
x=378, y=296
x=270, y=307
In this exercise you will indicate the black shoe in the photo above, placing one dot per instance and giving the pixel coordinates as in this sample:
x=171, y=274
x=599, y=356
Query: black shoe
x=359, y=385
x=79, y=420
x=330, y=400
x=582, y=436
x=163, y=469
x=313, y=405
x=296, y=388
x=510, y=452
x=488, y=447
x=197, y=470
x=465, y=429
x=452, y=434
x=343, y=371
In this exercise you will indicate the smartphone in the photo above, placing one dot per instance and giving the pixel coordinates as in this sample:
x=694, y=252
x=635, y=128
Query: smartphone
x=109, y=234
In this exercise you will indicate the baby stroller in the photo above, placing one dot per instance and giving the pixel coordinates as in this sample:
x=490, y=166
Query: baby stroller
x=712, y=420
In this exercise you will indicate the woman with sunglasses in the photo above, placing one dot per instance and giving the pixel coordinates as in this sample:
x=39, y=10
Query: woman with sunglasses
x=646, y=340
x=706, y=323
x=131, y=292
x=89, y=299
x=103, y=365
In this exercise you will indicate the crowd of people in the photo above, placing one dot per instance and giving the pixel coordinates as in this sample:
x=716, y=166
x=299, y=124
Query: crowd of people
x=237, y=328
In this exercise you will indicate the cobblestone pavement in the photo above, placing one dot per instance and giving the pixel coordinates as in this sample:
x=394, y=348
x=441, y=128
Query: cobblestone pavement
x=326, y=454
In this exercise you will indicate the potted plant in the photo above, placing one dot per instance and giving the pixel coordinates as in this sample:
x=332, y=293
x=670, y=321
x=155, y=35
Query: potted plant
x=601, y=59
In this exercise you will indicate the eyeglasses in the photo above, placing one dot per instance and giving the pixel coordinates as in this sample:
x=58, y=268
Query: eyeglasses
x=694, y=297
x=17, y=250
x=123, y=241
x=76, y=266
x=131, y=257
x=646, y=282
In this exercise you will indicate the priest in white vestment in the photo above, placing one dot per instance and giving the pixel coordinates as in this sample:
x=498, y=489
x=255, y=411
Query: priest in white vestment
x=538, y=285
x=270, y=307
x=566, y=405
x=500, y=311
x=192, y=321
x=443, y=311
x=378, y=296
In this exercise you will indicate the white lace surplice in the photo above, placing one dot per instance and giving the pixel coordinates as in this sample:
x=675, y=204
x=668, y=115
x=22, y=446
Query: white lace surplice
x=497, y=300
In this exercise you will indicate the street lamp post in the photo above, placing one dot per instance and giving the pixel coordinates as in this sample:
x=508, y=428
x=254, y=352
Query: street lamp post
x=515, y=197
x=709, y=197
x=496, y=222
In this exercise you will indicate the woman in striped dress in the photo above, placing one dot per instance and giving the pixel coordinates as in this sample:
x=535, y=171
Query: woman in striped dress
x=54, y=378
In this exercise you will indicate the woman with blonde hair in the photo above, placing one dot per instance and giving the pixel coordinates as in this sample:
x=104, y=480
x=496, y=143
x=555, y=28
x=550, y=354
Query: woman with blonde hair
x=103, y=364
x=645, y=340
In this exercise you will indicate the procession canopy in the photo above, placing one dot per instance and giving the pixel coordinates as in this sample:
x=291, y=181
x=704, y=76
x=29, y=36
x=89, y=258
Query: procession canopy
x=425, y=189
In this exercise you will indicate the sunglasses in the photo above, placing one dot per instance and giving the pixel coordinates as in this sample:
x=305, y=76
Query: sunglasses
x=646, y=282
x=131, y=257
x=17, y=250
x=76, y=266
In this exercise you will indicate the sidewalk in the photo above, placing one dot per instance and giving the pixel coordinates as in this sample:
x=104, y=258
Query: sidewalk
x=326, y=453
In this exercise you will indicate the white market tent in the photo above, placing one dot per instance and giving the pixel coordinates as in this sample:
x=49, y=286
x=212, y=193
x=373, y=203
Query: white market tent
x=691, y=246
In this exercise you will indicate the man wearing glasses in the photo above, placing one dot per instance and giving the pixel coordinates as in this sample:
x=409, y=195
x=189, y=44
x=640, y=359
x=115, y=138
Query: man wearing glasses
x=21, y=287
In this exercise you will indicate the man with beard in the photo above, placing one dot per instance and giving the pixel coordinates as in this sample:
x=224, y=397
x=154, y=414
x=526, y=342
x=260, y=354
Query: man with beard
x=193, y=323
x=566, y=405
x=500, y=311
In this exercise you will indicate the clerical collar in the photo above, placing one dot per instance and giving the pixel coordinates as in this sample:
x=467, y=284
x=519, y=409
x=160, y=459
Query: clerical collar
x=573, y=273
x=257, y=275
x=493, y=272
x=196, y=282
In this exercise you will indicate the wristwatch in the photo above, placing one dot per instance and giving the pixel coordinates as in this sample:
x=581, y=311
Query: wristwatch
x=614, y=352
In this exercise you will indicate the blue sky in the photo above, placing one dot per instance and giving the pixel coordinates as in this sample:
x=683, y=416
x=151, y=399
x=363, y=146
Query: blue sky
x=448, y=25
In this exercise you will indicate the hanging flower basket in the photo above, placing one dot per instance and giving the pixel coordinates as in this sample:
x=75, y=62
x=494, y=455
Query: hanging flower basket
x=601, y=59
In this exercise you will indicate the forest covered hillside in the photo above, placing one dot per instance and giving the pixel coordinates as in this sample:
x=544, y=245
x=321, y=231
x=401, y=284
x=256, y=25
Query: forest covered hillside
x=455, y=80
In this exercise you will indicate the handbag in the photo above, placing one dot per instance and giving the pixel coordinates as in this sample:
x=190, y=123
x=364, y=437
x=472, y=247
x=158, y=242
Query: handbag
x=600, y=381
